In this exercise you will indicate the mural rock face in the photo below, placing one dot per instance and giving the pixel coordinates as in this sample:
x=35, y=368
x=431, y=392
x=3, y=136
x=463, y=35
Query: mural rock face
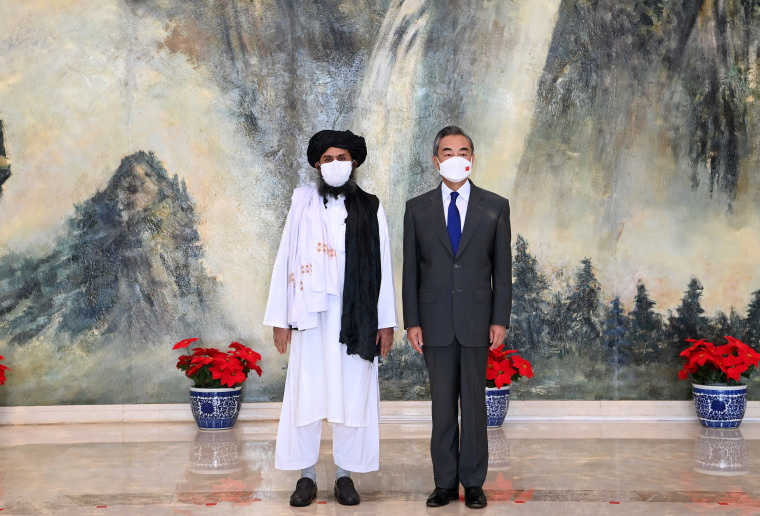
x=5, y=167
x=125, y=280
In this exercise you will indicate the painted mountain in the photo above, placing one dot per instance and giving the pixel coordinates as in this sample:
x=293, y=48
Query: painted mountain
x=125, y=282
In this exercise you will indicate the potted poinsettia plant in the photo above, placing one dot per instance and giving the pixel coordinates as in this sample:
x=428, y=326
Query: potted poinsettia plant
x=720, y=398
x=504, y=366
x=211, y=368
x=218, y=378
x=2, y=371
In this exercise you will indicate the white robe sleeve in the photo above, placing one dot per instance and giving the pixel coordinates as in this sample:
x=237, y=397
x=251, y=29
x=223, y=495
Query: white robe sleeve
x=386, y=303
x=277, y=304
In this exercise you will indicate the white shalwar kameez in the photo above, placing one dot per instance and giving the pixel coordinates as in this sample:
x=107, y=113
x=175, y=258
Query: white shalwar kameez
x=323, y=382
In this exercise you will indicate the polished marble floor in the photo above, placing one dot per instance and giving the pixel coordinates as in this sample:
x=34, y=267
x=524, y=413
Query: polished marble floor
x=556, y=468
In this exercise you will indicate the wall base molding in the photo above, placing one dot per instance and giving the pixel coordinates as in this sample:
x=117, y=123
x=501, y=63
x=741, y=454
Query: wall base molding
x=390, y=412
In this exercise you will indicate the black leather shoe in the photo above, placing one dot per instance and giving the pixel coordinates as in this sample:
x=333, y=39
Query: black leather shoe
x=475, y=498
x=442, y=496
x=305, y=493
x=345, y=492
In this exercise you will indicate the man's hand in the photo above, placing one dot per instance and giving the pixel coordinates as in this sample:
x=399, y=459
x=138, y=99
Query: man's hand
x=384, y=340
x=414, y=336
x=497, y=334
x=282, y=339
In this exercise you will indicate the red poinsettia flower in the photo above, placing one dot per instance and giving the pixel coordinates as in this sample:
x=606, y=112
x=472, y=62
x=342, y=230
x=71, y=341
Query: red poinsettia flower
x=707, y=363
x=504, y=378
x=702, y=357
x=211, y=368
x=201, y=359
x=228, y=377
x=731, y=360
x=2, y=371
x=502, y=368
x=239, y=347
x=184, y=343
x=748, y=355
x=227, y=363
x=257, y=368
x=522, y=366
x=696, y=344
x=210, y=352
x=735, y=373
x=247, y=355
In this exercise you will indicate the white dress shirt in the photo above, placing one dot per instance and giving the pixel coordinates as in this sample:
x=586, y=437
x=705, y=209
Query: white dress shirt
x=462, y=201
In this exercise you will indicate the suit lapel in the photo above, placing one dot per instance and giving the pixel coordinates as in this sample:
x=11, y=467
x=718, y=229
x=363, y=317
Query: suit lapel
x=438, y=220
x=472, y=219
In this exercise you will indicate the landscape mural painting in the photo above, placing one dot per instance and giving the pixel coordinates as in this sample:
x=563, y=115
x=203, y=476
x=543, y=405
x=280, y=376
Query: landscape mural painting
x=147, y=158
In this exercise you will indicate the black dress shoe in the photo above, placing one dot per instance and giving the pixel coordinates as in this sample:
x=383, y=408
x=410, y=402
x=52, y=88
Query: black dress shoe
x=475, y=498
x=305, y=493
x=345, y=492
x=442, y=496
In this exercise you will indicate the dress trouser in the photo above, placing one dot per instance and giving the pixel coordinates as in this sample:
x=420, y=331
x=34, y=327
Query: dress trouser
x=458, y=378
x=355, y=449
x=325, y=382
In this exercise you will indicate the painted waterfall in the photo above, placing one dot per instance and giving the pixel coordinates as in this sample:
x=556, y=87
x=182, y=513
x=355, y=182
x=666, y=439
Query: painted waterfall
x=147, y=159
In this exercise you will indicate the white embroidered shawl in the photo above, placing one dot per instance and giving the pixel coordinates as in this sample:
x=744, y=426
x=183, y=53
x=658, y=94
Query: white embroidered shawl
x=312, y=260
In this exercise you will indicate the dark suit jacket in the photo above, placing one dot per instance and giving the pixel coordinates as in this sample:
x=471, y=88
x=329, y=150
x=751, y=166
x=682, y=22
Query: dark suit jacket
x=458, y=296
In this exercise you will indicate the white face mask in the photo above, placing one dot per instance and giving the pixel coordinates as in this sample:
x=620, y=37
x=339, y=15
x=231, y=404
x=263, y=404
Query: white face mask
x=455, y=169
x=336, y=173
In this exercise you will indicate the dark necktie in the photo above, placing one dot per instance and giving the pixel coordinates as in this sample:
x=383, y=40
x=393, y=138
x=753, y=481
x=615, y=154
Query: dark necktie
x=454, y=223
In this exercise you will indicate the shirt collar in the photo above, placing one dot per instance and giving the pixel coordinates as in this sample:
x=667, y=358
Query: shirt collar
x=464, y=191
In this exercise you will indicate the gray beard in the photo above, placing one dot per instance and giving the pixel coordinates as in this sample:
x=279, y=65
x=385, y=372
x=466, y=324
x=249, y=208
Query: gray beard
x=345, y=189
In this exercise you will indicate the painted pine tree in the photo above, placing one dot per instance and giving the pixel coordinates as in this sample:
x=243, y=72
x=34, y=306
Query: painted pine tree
x=617, y=335
x=527, y=332
x=646, y=326
x=583, y=303
x=688, y=322
x=752, y=321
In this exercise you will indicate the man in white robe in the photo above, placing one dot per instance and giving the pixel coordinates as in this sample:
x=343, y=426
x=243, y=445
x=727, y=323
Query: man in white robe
x=332, y=369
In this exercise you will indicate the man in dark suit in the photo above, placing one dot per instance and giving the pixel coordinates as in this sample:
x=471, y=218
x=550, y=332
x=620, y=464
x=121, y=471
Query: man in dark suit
x=457, y=294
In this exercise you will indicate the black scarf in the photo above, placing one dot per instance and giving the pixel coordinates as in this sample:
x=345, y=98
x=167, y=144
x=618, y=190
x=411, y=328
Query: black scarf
x=361, y=284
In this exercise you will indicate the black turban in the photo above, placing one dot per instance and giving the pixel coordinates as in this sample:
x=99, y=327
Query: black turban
x=323, y=140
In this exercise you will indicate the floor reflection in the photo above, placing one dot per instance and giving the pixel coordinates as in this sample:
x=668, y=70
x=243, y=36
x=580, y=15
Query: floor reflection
x=498, y=450
x=721, y=451
x=218, y=471
x=534, y=468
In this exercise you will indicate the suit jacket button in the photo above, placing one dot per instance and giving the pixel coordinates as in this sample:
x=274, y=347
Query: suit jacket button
x=457, y=266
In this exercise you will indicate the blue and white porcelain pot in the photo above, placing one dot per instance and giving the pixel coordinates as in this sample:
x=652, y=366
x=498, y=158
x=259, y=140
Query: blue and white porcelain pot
x=720, y=406
x=215, y=409
x=497, y=404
